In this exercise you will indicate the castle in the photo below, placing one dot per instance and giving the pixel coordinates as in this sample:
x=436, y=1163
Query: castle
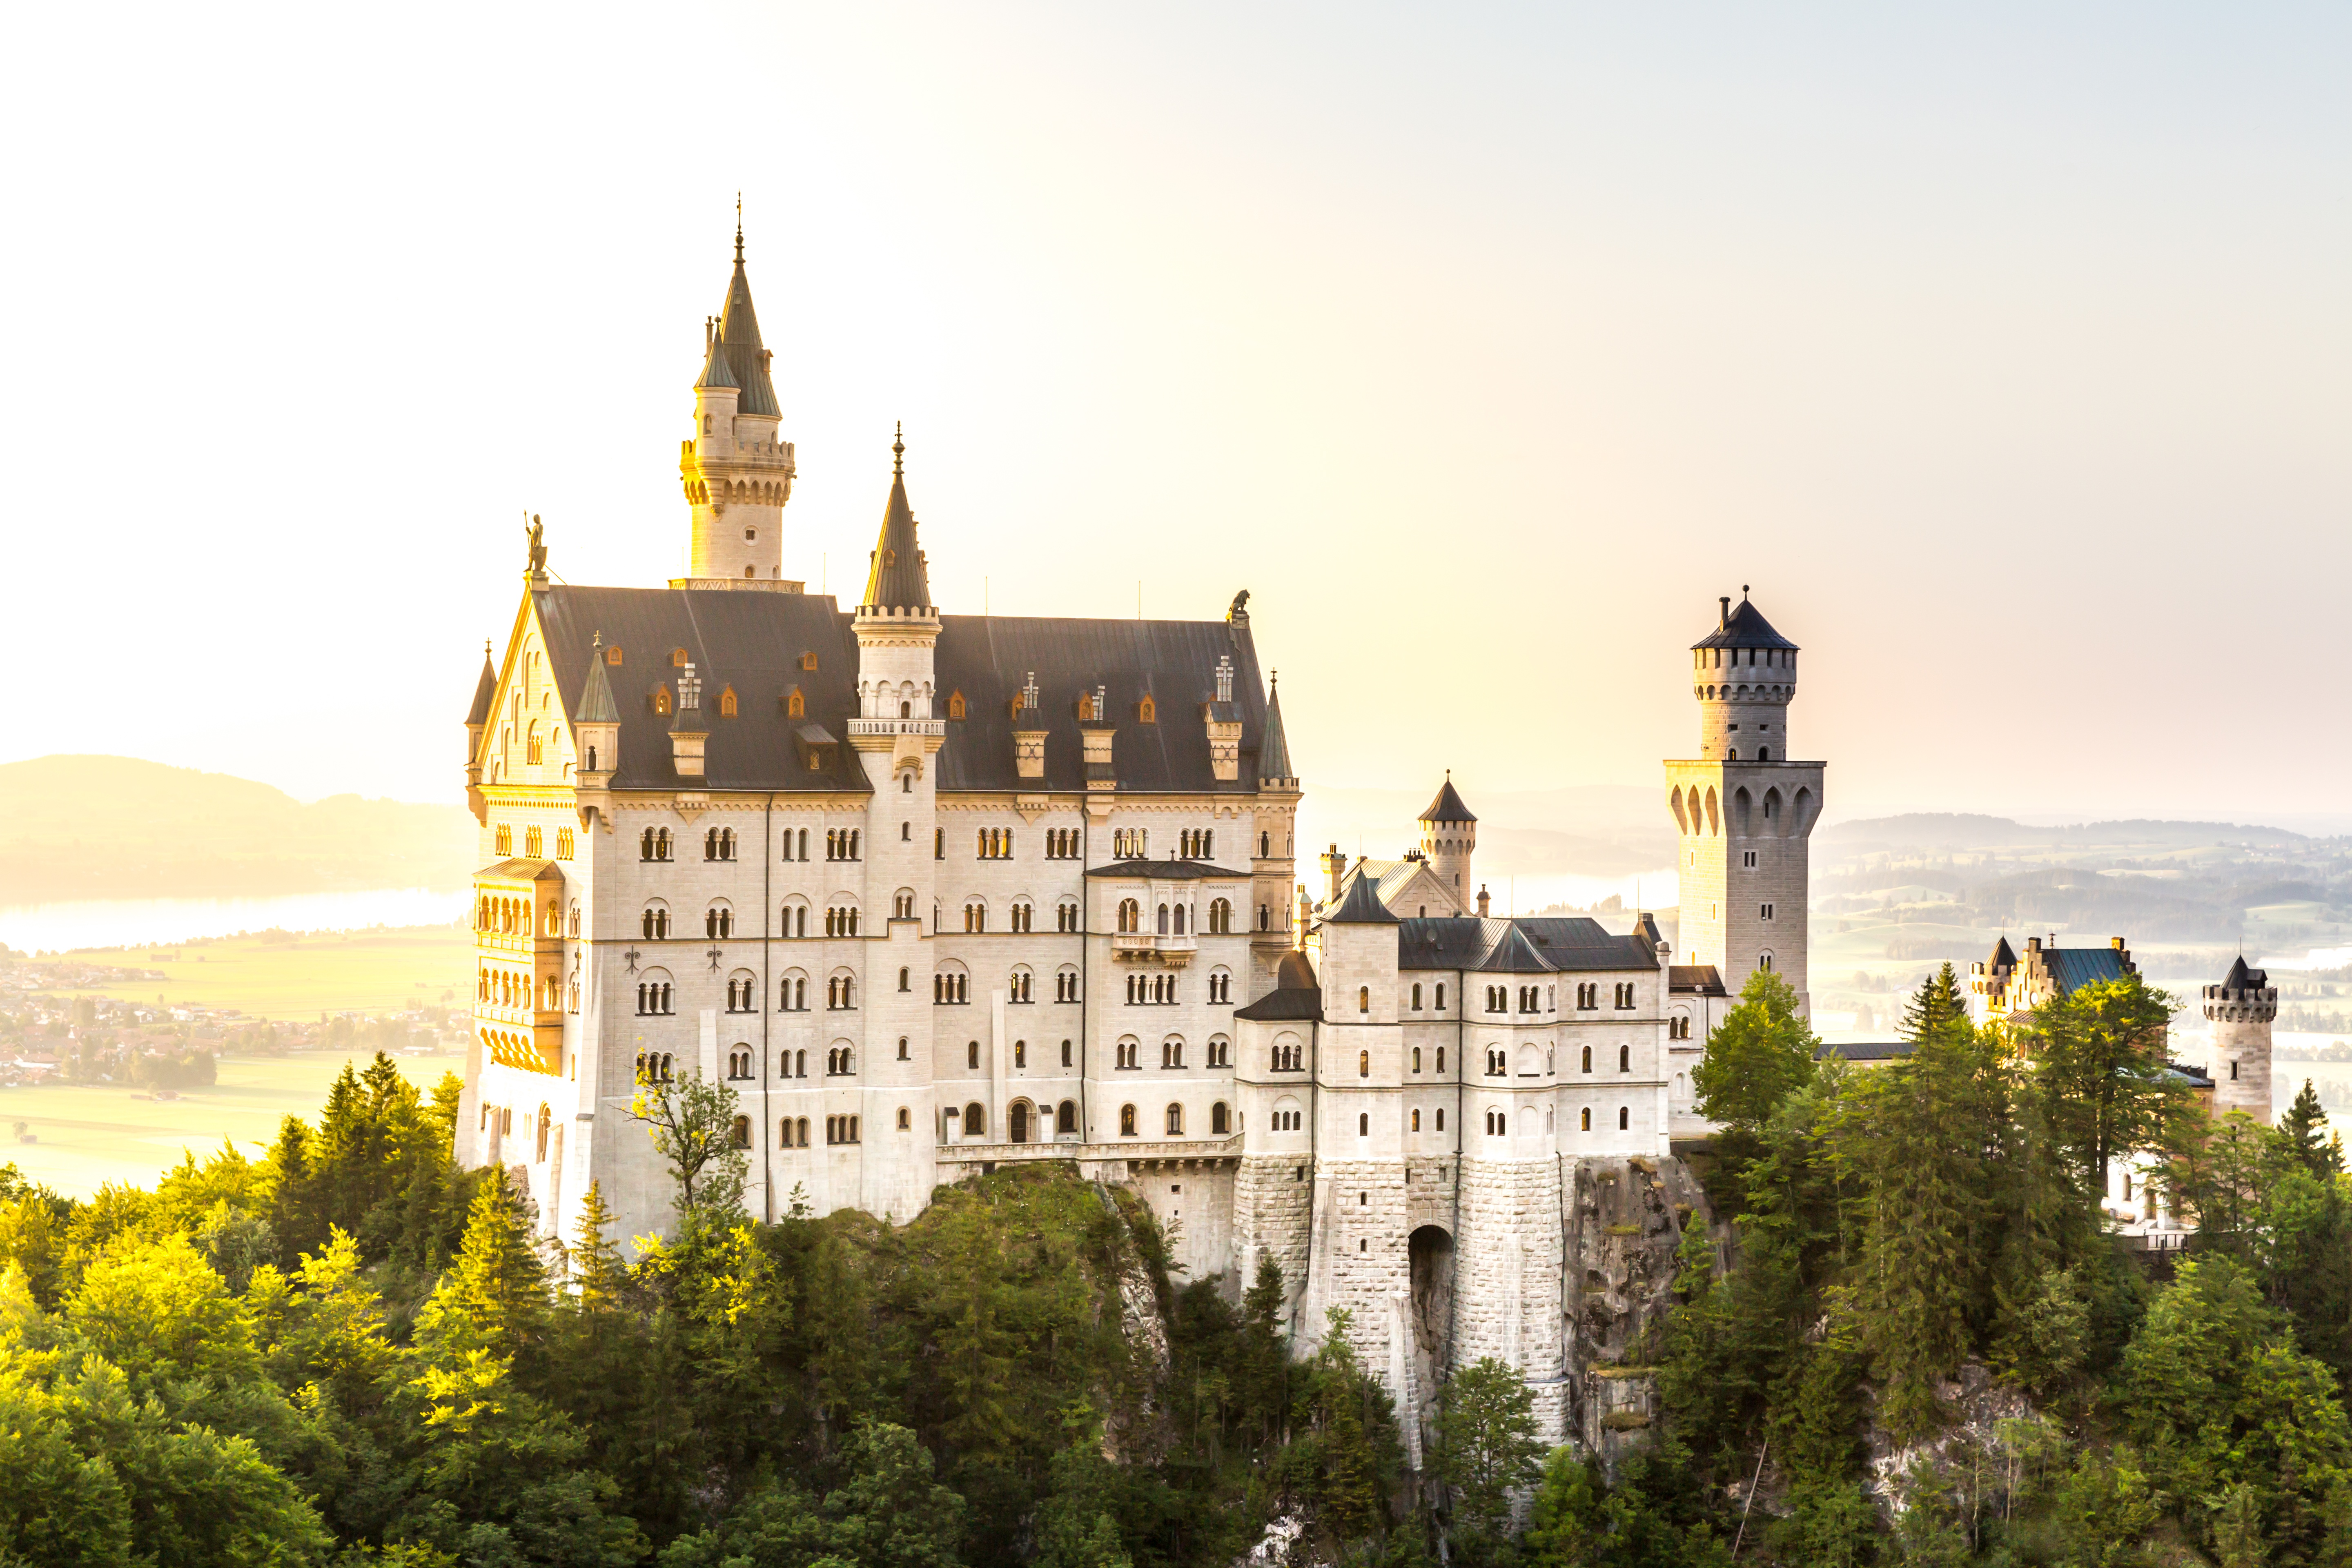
x=936, y=892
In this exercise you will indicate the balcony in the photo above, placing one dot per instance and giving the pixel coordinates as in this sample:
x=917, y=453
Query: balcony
x=1173, y=951
x=933, y=727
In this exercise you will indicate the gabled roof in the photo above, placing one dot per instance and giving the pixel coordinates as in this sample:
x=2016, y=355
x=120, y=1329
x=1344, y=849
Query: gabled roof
x=1447, y=806
x=2072, y=968
x=895, y=578
x=486, y=691
x=596, y=705
x=1362, y=905
x=1274, y=752
x=739, y=335
x=1295, y=993
x=1573, y=942
x=2242, y=978
x=521, y=870
x=1513, y=954
x=1743, y=627
x=757, y=644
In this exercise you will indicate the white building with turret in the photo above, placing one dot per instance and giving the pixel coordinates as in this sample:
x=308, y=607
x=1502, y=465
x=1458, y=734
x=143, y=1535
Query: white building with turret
x=932, y=892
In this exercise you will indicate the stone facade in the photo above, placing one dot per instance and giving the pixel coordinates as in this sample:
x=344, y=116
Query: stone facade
x=2242, y=1009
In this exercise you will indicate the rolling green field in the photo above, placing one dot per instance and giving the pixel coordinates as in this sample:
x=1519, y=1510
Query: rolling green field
x=373, y=972
x=89, y=1135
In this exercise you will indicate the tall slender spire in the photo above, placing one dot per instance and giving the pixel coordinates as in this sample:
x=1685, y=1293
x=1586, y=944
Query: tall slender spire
x=897, y=578
x=738, y=338
x=1274, y=752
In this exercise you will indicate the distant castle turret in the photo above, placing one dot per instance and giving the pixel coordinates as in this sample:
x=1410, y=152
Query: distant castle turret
x=2242, y=1008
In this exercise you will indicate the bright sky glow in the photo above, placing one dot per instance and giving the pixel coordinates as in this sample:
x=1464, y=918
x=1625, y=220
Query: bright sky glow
x=2004, y=351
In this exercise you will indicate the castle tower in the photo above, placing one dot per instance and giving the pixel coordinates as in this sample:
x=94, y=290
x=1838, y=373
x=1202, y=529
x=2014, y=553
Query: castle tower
x=1743, y=809
x=2242, y=1008
x=896, y=734
x=737, y=475
x=1449, y=835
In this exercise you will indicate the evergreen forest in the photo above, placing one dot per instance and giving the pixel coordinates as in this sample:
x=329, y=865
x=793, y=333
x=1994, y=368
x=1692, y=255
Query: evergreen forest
x=1908, y=1332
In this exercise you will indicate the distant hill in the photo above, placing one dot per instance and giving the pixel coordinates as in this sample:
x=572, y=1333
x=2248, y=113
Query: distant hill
x=1963, y=830
x=118, y=827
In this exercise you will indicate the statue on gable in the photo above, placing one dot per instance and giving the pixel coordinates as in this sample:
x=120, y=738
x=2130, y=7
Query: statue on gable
x=538, y=546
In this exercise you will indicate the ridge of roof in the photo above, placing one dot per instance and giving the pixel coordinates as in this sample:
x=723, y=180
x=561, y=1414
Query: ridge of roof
x=486, y=690
x=1743, y=627
x=2242, y=978
x=896, y=579
x=1447, y=806
x=1274, y=752
x=596, y=705
x=1513, y=954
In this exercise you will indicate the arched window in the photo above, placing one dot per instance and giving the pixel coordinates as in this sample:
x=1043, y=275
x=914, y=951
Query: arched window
x=1584, y=1120
x=1624, y=1058
x=1163, y=920
x=1588, y=1059
x=1363, y=1063
x=1131, y=916
x=1127, y=1121
x=971, y=1055
x=739, y=1133
x=1363, y=998
x=1175, y=1121
x=1218, y=1118
x=1065, y=1118
x=975, y=1121
x=1625, y=1116
x=1363, y=1124
x=1416, y=996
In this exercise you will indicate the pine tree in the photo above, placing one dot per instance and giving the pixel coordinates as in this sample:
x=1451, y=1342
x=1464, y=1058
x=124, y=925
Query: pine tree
x=1486, y=1450
x=496, y=1295
x=596, y=1267
x=1760, y=1054
x=1265, y=1363
x=2300, y=1131
x=1937, y=1002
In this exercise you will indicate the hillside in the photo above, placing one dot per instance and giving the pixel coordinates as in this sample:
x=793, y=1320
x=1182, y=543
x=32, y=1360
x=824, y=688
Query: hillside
x=118, y=827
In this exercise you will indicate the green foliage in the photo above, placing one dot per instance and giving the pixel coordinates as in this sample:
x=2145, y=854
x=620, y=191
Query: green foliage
x=2100, y=1078
x=692, y=1121
x=1760, y=1054
x=1486, y=1451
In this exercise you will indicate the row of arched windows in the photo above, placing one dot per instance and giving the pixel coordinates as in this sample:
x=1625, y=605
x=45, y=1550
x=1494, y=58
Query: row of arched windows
x=719, y=844
x=1151, y=990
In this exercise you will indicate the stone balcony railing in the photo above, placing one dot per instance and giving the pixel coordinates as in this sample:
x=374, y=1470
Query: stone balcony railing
x=898, y=727
x=1144, y=944
x=1147, y=1149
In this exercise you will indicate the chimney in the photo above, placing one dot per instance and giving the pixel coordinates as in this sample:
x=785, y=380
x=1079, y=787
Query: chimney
x=1723, y=622
x=1335, y=866
x=1482, y=903
x=1029, y=733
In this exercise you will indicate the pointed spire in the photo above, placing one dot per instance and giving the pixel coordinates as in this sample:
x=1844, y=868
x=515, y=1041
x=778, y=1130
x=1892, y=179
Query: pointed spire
x=1274, y=750
x=486, y=690
x=1447, y=806
x=737, y=337
x=897, y=578
x=596, y=705
x=715, y=370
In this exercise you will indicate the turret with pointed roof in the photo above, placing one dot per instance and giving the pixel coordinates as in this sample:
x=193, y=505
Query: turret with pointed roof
x=2242, y=1009
x=1449, y=837
x=737, y=474
x=1274, y=752
x=896, y=579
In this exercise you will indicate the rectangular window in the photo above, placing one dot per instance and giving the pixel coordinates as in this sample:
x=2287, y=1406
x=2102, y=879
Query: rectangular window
x=1764, y=912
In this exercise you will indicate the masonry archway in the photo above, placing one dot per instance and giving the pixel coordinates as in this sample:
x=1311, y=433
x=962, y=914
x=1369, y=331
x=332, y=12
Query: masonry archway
x=1430, y=1253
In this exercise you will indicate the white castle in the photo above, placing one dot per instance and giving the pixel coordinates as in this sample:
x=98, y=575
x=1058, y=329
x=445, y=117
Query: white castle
x=933, y=892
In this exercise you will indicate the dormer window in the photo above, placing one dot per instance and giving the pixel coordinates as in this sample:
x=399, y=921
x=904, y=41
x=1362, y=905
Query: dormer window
x=661, y=701
x=795, y=705
x=1085, y=707
x=677, y=658
x=727, y=702
x=808, y=659
x=955, y=705
x=1147, y=711
x=612, y=654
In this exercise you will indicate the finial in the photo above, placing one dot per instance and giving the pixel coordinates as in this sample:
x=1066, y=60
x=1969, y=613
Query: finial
x=598, y=640
x=899, y=452
x=1743, y=592
x=739, y=229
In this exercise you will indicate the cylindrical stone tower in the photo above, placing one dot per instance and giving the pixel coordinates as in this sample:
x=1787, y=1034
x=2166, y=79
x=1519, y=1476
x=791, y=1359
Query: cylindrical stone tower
x=1449, y=837
x=2242, y=1008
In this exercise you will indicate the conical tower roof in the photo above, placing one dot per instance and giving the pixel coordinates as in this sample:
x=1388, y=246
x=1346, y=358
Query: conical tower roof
x=1274, y=752
x=1362, y=906
x=738, y=338
x=486, y=691
x=2242, y=978
x=1743, y=625
x=896, y=579
x=1447, y=806
x=596, y=705
x=715, y=369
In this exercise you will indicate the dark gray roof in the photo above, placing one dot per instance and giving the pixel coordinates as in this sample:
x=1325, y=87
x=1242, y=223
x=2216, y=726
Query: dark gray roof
x=1298, y=1006
x=739, y=334
x=1513, y=954
x=1274, y=752
x=2195, y=1076
x=1867, y=1050
x=2074, y=967
x=2003, y=955
x=1168, y=870
x=1561, y=943
x=714, y=366
x=596, y=705
x=2242, y=978
x=1703, y=978
x=486, y=691
x=1362, y=906
x=1447, y=806
x=755, y=643
x=1743, y=627
x=895, y=578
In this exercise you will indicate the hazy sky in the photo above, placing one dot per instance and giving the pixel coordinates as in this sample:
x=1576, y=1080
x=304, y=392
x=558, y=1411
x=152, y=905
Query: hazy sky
x=2005, y=351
